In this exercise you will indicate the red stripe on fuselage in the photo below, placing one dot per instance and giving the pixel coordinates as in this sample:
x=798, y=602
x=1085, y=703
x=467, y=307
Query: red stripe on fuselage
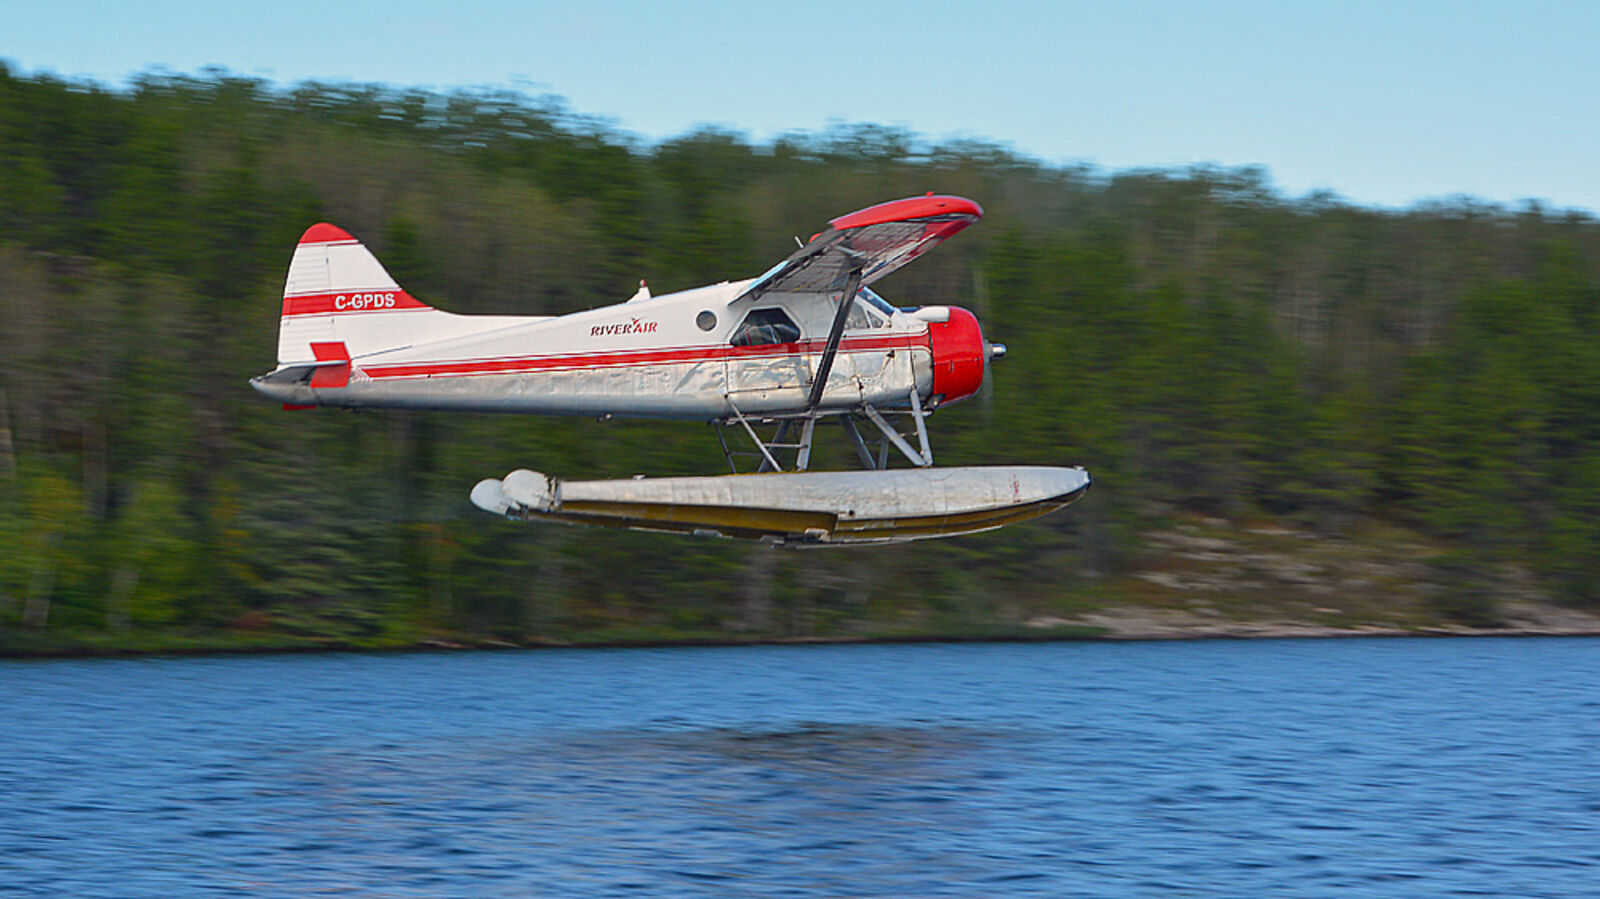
x=526, y=364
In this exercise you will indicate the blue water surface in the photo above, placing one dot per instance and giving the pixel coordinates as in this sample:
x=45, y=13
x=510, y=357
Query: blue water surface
x=1395, y=767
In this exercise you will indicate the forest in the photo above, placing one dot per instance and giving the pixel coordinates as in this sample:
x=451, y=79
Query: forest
x=1209, y=348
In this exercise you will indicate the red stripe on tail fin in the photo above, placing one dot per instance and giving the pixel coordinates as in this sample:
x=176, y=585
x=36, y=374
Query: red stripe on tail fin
x=363, y=301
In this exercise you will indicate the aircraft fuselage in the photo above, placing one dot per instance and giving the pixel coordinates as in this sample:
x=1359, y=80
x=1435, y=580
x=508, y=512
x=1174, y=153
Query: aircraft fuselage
x=687, y=355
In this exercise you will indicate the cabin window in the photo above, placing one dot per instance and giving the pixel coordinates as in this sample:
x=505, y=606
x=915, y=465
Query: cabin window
x=765, y=326
x=706, y=320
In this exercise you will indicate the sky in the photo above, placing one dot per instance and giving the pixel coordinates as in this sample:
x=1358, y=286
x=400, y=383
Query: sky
x=1384, y=103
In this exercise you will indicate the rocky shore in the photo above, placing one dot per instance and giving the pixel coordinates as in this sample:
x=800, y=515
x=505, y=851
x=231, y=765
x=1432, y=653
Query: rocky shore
x=1209, y=577
x=1168, y=624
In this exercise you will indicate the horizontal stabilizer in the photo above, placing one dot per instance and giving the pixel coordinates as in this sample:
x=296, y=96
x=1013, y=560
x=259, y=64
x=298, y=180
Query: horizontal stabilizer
x=290, y=374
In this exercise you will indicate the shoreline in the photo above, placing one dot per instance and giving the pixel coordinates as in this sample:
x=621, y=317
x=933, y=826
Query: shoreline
x=1152, y=633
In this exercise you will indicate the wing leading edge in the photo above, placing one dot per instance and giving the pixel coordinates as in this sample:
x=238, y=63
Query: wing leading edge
x=876, y=241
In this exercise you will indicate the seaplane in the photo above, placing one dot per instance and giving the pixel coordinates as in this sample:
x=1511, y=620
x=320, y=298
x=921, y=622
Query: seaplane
x=768, y=358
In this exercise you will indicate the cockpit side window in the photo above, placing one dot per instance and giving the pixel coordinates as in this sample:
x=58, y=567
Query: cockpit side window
x=864, y=312
x=860, y=319
x=763, y=327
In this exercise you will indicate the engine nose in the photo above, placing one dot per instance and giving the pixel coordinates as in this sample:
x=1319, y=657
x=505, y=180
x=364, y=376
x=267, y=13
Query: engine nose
x=959, y=355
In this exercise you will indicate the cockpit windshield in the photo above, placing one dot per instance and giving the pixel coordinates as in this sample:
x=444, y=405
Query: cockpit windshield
x=877, y=302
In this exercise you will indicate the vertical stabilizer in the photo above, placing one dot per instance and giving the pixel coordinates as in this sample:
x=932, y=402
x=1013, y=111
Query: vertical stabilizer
x=338, y=293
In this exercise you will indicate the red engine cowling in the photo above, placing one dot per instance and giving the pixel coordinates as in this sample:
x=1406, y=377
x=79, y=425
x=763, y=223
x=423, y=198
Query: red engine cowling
x=958, y=355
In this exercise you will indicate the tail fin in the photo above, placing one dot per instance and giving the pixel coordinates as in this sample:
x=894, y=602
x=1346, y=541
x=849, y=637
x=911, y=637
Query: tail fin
x=339, y=300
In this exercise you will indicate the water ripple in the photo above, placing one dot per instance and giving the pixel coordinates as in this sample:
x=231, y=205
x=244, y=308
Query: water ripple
x=1275, y=768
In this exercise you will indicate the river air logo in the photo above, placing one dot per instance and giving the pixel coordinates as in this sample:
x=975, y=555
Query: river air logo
x=632, y=326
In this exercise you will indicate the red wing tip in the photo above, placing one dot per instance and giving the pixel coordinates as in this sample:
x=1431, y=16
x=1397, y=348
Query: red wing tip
x=322, y=232
x=908, y=209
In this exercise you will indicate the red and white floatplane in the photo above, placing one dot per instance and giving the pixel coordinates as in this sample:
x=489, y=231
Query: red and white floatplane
x=769, y=358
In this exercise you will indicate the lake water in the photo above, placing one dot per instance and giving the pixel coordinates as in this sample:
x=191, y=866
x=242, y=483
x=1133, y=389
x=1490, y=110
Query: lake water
x=1397, y=767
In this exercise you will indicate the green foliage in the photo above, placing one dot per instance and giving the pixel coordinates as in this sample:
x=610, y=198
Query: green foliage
x=1196, y=340
x=46, y=540
x=152, y=558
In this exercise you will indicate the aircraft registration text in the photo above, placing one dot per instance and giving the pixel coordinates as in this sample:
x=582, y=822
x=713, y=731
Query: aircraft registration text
x=358, y=301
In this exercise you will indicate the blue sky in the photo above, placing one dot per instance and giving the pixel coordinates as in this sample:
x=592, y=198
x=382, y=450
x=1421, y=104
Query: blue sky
x=1384, y=103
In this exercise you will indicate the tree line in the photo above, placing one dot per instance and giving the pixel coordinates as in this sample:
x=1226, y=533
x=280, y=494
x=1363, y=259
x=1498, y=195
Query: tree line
x=1201, y=342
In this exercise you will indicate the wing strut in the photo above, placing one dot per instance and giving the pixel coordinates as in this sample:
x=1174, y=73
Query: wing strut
x=918, y=459
x=852, y=283
x=849, y=421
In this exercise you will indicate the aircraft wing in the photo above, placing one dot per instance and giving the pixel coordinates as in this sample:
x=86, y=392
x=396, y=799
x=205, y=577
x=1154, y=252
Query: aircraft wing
x=876, y=240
